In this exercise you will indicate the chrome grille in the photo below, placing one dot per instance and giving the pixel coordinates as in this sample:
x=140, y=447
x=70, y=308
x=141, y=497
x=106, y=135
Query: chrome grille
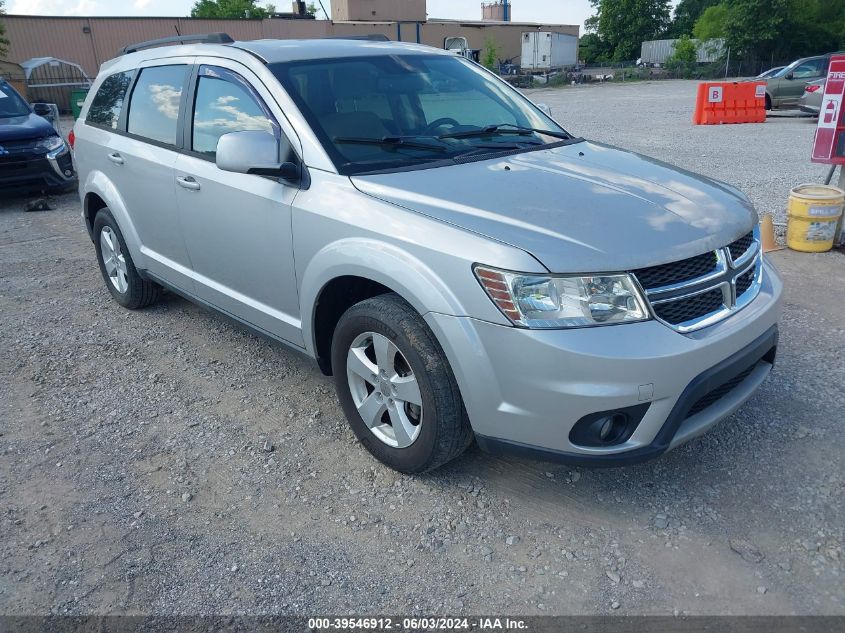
x=741, y=246
x=745, y=281
x=699, y=291
x=676, y=272
x=683, y=310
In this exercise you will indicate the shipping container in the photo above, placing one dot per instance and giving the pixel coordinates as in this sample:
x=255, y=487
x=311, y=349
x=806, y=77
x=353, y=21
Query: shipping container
x=658, y=51
x=547, y=50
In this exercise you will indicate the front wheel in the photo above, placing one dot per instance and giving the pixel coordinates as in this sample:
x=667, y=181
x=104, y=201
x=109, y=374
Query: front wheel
x=396, y=386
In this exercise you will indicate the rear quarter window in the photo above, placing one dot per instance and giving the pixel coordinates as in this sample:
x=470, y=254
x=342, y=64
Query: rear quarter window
x=107, y=103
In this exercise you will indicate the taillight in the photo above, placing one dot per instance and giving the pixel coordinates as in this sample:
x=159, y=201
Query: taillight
x=812, y=88
x=71, y=139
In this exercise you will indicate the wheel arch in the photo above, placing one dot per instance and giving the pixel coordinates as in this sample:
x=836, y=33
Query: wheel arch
x=350, y=271
x=99, y=193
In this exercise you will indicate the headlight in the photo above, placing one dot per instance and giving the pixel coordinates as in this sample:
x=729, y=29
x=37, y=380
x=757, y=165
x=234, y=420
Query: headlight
x=50, y=143
x=547, y=301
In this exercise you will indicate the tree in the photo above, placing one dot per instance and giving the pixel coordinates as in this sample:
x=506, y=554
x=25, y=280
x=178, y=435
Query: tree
x=711, y=24
x=687, y=13
x=238, y=9
x=490, y=58
x=626, y=24
x=4, y=43
x=592, y=48
x=754, y=27
x=684, y=57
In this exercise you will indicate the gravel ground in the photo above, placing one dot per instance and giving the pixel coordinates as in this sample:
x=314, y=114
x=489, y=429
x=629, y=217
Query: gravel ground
x=167, y=462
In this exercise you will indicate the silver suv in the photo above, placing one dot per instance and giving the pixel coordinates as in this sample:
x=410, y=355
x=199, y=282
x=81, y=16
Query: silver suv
x=463, y=266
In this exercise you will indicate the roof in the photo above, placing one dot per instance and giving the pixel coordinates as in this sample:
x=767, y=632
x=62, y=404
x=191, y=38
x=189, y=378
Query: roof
x=294, y=50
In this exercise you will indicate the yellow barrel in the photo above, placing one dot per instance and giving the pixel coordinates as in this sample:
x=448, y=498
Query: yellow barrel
x=813, y=213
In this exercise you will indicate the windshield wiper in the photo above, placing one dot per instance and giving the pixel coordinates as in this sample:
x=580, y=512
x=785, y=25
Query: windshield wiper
x=395, y=141
x=504, y=128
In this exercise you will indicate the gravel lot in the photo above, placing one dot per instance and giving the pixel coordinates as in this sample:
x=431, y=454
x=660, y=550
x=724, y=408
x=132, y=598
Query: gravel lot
x=167, y=462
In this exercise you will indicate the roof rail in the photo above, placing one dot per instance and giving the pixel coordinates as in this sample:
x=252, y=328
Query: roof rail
x=373, y=37
x=207, y=38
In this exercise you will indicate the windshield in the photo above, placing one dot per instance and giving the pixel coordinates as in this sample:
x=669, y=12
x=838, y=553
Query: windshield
x=381, y=113
x=11, y=103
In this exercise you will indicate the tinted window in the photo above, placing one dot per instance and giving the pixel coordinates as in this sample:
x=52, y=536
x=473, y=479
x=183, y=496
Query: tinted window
x=380, y=113
x=154, y=106
x=107, y=103
x=224, y=103
x=11, y=103
x=812, y=68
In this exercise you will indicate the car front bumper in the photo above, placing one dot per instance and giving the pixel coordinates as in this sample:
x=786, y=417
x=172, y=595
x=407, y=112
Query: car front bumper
x=525, y=390
x=29, y=173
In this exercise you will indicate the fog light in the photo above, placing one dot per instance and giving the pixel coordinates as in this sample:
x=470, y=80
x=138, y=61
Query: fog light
x=68, y=173
x=607, y=428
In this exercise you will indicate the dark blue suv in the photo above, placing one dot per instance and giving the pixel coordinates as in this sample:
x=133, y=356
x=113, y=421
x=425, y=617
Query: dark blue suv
x=33, y=156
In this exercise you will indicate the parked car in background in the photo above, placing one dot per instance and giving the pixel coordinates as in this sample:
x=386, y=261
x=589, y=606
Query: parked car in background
x=769, y=73
x=33, y=156
x=463, y=266
x=811, y=100
x=784, y=88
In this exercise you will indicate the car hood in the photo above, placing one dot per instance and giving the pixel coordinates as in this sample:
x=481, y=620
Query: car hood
x=28, y=126
x=585, y=207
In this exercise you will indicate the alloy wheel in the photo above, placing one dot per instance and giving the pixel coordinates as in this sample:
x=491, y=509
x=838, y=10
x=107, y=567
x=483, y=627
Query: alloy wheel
x=114, y=260
x=384, y=389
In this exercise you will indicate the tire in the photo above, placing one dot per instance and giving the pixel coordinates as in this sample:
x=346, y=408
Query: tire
x=768, y=102
x=442, y=430
x=124, y=283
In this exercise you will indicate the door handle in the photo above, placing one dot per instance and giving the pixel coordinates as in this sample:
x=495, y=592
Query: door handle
x=116, y=158
x=188, y=182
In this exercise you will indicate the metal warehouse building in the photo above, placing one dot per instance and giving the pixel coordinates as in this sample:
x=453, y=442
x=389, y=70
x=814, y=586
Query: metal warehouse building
x=91, y=41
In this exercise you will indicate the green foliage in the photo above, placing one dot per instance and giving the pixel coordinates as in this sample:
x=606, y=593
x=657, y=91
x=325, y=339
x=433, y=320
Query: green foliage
x=490, y=57
x=683, y=61
x=592, y=48
x=774, y=29
x=687, y=13
x=753, y=27
x=4, y=43
x=711, y=24
x=626, y=24
x=238, y=9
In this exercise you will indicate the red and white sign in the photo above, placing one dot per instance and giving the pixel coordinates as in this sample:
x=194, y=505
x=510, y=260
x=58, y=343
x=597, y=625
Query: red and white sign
x=829, y=146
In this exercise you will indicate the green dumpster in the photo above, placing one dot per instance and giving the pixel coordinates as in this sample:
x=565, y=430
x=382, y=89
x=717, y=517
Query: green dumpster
x=77, y=98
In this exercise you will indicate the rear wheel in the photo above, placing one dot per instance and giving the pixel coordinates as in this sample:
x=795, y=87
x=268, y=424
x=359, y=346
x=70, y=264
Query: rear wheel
x=396, y=386
x=124, y=283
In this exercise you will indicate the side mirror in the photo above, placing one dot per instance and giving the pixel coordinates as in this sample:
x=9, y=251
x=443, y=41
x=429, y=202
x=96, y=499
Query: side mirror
x=42, y=109
x=255, y=152
x=790, y=77
x=545, y=109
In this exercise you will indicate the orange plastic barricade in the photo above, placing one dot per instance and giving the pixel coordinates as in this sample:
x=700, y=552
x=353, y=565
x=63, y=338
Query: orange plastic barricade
x=730, y=102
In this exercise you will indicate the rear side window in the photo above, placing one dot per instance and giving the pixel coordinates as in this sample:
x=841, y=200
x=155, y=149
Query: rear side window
x=107, y=103
x=154, y=105
x=224, y=103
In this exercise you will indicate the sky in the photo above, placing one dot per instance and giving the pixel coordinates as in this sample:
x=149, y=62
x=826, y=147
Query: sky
x=548, y=11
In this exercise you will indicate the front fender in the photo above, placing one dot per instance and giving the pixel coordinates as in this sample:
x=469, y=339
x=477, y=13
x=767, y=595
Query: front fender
x=378, y=261
x=98, y=183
